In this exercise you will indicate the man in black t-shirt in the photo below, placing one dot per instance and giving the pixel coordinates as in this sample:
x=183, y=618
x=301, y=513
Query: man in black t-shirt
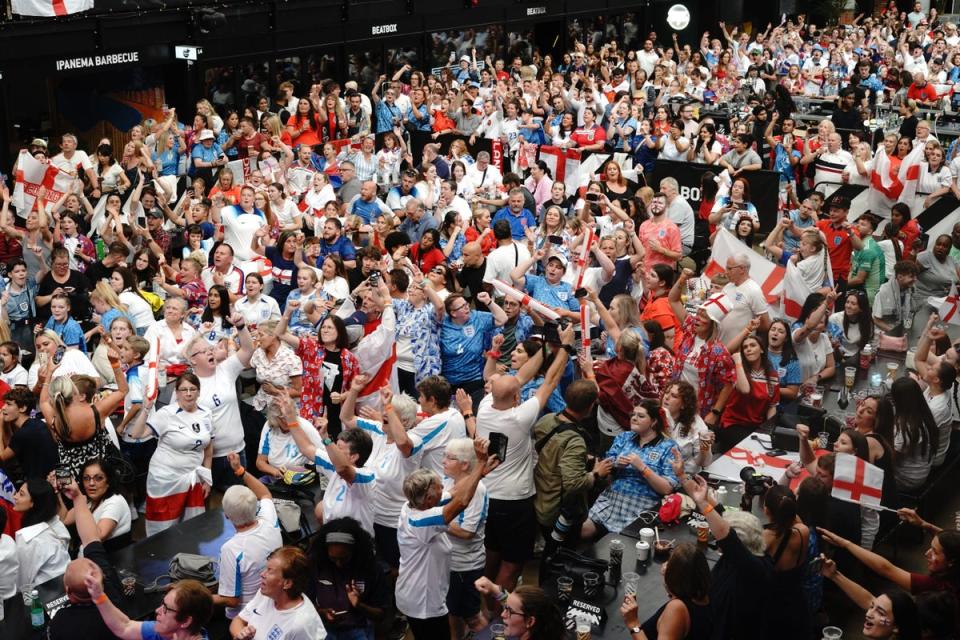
x=470, y=275
x=80, y=617
x=31, y=443
x=103, y=269
x=368, y=261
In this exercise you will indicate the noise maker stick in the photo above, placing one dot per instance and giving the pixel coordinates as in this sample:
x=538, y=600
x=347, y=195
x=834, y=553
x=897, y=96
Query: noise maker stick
x=582, y=258
x=530, y=303
x=585, y=325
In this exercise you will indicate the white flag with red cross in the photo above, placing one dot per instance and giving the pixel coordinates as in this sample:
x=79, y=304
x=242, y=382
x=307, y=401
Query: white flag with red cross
x=762, y=271
x=856, y=480
x=50, y=8
x=33, y=179
x=948, y=309
x=564, y=164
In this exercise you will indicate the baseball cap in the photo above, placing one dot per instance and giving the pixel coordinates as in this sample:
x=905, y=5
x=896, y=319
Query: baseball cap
x=559, y=257
x=38, y=142
x=840, y=202
x=464, y=58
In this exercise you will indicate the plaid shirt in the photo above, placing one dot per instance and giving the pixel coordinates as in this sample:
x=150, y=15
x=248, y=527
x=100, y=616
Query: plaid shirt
x=656, y=454
x=715, y=367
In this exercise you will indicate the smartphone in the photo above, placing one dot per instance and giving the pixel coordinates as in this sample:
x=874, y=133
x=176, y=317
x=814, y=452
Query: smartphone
x=374, y=277
x=64, y=477
x=592, y=197
x=498, y=446
x=557, y=240
x=58, y=355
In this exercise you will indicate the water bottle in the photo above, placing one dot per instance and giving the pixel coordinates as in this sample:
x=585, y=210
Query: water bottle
x=101, y=250
x=36, y=610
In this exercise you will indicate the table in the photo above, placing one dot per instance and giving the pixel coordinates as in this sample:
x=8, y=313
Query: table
x=651, y=594
x=148, y=559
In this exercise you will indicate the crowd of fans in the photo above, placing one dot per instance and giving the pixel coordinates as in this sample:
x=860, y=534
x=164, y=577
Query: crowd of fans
x=407, y=332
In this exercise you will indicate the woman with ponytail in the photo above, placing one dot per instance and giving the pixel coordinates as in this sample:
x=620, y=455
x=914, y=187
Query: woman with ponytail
x=77, y=426
x=786, y=539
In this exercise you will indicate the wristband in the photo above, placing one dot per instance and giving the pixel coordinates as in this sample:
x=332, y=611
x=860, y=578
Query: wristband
x=293, y=425
x=327, y=442
x=101, y=599
x=467, y=416
x=239, y=471
x=646, y=471
x=389, y=408
x=494, y=354
x=707, y=509
x=504, y=594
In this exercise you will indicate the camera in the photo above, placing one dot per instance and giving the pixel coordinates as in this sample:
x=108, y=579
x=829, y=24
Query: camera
x=754, y=484
x=374, y=277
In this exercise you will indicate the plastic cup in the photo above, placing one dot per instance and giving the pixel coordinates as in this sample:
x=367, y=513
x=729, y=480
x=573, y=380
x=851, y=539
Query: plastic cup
x=564, y=588
x=823, y=440
x=583, y=631
x=850, y=376
x=498, y=632
x=831, y=633
x=647, y=535
x=703, y=531
x=591, y=584
x=616, y=551
x=129, y=585
x=816, y=399
x=631, y=582
x=892, y=370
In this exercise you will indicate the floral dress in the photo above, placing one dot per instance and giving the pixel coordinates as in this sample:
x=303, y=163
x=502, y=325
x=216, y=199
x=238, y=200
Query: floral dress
x=278, y=371
x=312, y=353
x=421, y=327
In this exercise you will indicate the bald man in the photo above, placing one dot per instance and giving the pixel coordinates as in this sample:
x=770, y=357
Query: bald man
x=81, y=615
x=511, y=520
x=470, y=275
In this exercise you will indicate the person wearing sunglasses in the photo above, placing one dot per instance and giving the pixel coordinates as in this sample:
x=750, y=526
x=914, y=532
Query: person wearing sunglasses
x=101, y=485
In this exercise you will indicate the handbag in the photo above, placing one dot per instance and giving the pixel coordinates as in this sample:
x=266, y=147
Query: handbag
x=566, y=562
x=186, y=566
x=888, y=342
x=288, y=513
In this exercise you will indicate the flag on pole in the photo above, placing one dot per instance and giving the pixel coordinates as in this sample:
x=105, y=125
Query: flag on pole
x=525, y=300
x=50, y=8
x=856, y=480
x=764, y=272
x=884, y=177
x=152, y=389
x=912, y=169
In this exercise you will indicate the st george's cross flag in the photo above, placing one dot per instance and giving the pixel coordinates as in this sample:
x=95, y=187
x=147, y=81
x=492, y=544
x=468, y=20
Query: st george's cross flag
x=33, y=178
x=762, y=271
x=856, y=480
x=50, y=8
x=948, y=309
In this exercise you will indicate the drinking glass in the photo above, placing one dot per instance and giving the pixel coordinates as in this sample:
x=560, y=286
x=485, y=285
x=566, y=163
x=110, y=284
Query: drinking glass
x=564, y=588
x=631, y=582
x=832, y=633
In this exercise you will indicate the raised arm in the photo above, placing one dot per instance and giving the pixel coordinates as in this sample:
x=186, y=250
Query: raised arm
x=876, y=563
x=259, y=489
x=116, y=621
x=518, y=274
x=463, y=491
x=557, y=367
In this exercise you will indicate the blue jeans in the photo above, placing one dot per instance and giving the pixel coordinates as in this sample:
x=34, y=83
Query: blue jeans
x=365, y=633
x=223, y=476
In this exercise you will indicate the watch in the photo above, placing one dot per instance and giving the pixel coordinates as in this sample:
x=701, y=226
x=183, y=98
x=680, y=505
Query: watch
x=635, y=630
x=716, y=412
x=570, y=349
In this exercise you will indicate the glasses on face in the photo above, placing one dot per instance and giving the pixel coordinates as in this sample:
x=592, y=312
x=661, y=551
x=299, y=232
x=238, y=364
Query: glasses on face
x=460, y=308
x=200, y=352
x=165, y=609
x=438, y=270
x=188, y=390
x=96, y=479
x=513, y=612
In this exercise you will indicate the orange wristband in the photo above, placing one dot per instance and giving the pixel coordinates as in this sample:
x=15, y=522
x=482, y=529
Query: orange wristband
x=101, y=599
x=646, y=471
x=293, y=425
x=708, y=509
x=239, y=472
x=388, y=408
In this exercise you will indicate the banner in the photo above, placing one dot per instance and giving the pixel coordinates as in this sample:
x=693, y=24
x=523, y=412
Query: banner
x=764, y=186
x=50, y=8
x=762, y=271
x=418, y=139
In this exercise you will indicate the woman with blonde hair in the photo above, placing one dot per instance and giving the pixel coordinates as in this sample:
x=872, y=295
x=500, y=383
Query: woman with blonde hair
x=225, y=185
x=458, y=153
x=205, y=108
x=107, y=308
x=77, y=424
x=480, y=230
x=383, y=226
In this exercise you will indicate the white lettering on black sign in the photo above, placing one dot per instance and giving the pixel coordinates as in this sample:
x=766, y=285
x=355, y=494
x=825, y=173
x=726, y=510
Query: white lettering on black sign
x=536, y=11
x=380, y=29
x=92, y=62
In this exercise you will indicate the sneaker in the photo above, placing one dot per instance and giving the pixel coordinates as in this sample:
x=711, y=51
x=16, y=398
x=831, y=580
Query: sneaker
x=398, y=630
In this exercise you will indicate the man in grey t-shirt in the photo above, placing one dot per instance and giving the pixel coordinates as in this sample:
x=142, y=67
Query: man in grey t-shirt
x=741, y=158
